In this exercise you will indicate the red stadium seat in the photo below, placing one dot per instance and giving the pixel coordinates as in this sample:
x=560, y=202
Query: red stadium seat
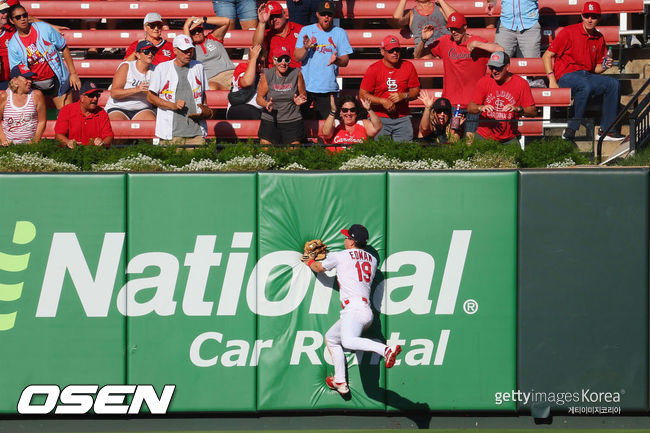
x=105, y=68
x=357, y=9
x=243, y=38
x=242, y=129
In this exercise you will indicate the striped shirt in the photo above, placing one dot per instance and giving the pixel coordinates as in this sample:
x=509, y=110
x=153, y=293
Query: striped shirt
x=19, y=123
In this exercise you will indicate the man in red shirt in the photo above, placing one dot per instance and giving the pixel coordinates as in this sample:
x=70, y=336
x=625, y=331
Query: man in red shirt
x=281, y=31
x=6, y=32
x=83, y=122
x=464, y=58
x=390, y=84
x=580, y=57
x=153, y=25
x=501, y=98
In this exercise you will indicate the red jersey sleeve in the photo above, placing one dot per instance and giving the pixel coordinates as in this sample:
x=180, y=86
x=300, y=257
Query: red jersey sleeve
x=481, y=91
x=131, y=49
x=436, y=47
x=559, y=44
x=369, y=78
x=62, y=125
x=414, y=80
x=240, y=70
x=107, y=131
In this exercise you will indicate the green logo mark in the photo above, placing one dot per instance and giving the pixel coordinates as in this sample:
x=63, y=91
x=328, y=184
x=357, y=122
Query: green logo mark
x=24, y=233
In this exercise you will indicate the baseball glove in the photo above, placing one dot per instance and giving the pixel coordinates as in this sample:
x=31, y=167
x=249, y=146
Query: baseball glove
x=204, y=113
x=314, y=249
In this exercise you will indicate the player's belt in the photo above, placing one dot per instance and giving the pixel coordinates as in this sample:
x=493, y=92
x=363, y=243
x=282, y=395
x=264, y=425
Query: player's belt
x=347, y=301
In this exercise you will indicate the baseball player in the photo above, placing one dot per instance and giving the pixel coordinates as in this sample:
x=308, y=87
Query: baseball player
x=355, y=270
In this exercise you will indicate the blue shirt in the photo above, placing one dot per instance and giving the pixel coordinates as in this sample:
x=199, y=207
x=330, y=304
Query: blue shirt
x=519, y=14
x=320, y=78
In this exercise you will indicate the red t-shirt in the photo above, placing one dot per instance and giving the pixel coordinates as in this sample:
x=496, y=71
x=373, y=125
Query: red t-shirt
x=288, y=41
x=36, y=61
x=342, y=136
x=6, y=33
x=577, y=50
x=514, y=91
x=239, y=72
x=165, y=51
x=73, y=124
x=463, y=68
x=380, y=80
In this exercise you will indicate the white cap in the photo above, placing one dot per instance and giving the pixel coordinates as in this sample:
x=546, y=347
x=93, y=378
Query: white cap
x=183, y=42
x=152, y=17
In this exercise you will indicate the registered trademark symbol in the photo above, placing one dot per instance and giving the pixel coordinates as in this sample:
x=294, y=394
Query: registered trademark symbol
x=470, y=306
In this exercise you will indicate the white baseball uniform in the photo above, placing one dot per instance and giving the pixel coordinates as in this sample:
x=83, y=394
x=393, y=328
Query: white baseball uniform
x=355, y=270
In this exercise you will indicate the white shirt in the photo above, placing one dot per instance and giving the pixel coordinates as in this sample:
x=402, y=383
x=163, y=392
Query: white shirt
x=355, y=270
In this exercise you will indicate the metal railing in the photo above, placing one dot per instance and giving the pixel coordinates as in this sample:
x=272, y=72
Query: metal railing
x=639, y=111
x=640, y=124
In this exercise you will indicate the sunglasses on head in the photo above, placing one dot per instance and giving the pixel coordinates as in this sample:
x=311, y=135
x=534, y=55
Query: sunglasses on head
x=196, y=30
x=149, y=51
x=155, y=25
x=496, y=68
x=283, y=59
x=21, y=16
x=350, y=110
x=394, y=50
x=592, y=16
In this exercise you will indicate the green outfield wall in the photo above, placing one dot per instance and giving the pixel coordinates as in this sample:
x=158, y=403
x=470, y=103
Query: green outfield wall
x=497, y=284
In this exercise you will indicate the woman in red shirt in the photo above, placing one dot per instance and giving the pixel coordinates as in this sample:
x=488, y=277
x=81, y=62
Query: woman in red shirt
x=349, y=130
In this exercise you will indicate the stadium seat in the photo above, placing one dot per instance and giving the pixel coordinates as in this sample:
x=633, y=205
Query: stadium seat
x=243, y=38
x=356, y=9
x=243, y=129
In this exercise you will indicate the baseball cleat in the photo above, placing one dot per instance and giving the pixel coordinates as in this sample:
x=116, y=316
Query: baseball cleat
x=391, y=355
x=341, y=387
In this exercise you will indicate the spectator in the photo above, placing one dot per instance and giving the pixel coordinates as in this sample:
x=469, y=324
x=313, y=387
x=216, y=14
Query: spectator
x=519, y=28
x=237, y=10
x=349, y=130
x=424, y=15
x=435, y=122
x=242, y=99
x=464, y=58
x=128, y=100
x=281, y=31
x=281, y=92
x=84, y=122
x=502, y=97
x=390, y=84
x=210, y=51
x=177, y=88
x=153, y=26
x=46, y=54
x=303, y=12
x=322, y=48
x=22, y=109
x=580, y=59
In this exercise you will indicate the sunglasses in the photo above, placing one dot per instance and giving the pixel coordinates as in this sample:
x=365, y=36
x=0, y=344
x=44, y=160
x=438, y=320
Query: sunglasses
x=348, y=110
x=283, y=59
x=394, y=50
x=496, y=69
x=196, y=30
x=155, y=25
x=20, y=16
x=592, y=16
x=93, y=95
x=187, y=51
x=455, y=29
x=149, y=51
x=326, y=14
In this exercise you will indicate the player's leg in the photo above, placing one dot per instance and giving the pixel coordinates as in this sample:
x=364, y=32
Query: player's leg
x=333, y=341
x=353, y=322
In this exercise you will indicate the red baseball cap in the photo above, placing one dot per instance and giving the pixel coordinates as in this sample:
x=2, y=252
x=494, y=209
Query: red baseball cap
x=390, y=42
x=280, y=50
x=456, y=21
x=274, y=8
x=6, y=4
x=591, y=8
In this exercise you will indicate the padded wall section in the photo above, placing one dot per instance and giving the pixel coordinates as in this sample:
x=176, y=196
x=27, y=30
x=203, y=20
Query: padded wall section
x=295, y=309
x=450, y=288
x=61, y=263
x=191, y=249
x=583, y=288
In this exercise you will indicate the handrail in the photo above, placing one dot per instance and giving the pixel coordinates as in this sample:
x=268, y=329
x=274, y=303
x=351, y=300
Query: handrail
x=621, y=114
